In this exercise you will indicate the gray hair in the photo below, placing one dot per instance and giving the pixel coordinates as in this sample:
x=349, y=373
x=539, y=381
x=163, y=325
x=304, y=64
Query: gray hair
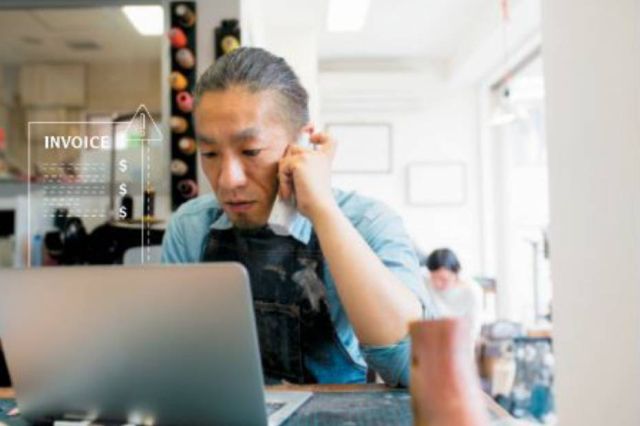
x=258, y=70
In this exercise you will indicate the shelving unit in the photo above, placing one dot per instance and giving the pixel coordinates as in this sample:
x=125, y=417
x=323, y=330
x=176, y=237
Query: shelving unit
x=182, y=82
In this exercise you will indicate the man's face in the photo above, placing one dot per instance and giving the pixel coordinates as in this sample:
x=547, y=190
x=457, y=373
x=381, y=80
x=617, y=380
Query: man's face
x=241, y=138
x=442, y=278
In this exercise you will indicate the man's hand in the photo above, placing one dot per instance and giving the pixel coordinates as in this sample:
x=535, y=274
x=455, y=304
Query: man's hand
x=306, y=173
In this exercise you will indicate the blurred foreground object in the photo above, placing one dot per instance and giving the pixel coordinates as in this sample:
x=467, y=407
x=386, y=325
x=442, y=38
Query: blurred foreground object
x=444, y=385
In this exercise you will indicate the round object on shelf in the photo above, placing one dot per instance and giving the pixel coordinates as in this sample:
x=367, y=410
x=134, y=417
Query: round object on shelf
x=177, y=37
x=188, y=188
x=178, y=81
x=186, y=15
x=187, y=145
x=184, y=101
x=179, y=167
x=178, y=124
x=185, y=58
x=229, y=43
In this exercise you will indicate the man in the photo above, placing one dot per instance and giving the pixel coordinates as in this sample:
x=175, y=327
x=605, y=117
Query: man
x=337, y=294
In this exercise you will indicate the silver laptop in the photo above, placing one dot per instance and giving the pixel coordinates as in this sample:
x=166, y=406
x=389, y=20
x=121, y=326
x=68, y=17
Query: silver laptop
x=139, y=345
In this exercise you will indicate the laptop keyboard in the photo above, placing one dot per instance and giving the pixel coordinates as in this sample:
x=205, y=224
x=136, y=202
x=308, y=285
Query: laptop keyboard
x=272, y=407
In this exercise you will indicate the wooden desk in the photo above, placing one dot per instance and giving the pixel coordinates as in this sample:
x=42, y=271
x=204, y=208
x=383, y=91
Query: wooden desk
x=7, y=393
x=353, y=404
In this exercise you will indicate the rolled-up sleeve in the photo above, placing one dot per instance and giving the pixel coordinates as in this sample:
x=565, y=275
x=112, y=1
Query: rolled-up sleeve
x=188, y=229
x=384, y=232
x=173, y=246
x=391, y=362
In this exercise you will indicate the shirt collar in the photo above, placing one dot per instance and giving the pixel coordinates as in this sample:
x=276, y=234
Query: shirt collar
x=301, y=229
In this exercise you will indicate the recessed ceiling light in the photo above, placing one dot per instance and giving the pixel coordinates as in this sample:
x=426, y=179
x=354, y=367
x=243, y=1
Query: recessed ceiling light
x=148, y=20
x=347, y=15
x=82, y=45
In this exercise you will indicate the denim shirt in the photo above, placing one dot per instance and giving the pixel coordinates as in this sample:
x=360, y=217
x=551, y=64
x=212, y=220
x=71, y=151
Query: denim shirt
x=188, y=230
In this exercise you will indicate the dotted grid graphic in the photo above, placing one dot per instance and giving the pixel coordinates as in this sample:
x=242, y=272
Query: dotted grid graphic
x=65, y=185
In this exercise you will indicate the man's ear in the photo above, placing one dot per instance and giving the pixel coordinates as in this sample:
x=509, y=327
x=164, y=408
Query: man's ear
x=308, y=128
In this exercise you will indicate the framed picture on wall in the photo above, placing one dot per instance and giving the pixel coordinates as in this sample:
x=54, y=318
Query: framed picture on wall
x=436, y=184
x=362, y=147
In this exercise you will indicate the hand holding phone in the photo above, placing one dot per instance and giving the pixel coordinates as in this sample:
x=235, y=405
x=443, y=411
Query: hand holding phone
x=306, y=173
x=284, y=212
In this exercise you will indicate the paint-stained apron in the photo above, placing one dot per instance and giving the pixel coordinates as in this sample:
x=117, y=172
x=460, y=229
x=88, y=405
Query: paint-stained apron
x=298, y=341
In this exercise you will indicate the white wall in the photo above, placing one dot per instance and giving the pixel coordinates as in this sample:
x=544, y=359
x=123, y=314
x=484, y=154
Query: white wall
x=298, y=46
x=122, y=86
x=210, y=15
x=592, y=72
x=481, y=52
x=432, y=122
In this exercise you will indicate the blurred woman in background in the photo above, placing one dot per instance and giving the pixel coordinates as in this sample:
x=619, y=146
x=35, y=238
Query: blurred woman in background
x=454, y=296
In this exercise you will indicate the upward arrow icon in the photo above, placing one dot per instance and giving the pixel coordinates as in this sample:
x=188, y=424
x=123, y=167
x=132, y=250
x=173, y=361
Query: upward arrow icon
x=142, y=122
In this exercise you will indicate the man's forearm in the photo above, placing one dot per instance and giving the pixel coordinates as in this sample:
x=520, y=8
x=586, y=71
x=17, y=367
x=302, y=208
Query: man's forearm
x=378, y=305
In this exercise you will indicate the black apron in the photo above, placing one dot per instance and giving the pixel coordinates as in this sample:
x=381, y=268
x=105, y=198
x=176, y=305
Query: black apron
x=295, y=330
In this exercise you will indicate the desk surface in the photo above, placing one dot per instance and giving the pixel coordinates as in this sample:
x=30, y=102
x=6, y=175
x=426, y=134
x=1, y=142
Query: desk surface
x=365, y=404
x=350, y=404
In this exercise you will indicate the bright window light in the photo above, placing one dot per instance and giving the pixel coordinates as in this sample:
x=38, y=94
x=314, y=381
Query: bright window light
x=347, y=15
x=148, y=20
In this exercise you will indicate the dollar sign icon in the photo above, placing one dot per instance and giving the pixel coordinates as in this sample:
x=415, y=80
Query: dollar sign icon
x=122, y=213
x=123, y=189
x=122, y=165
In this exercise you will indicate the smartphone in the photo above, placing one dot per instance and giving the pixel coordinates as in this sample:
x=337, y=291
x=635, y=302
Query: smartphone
x=284, y=212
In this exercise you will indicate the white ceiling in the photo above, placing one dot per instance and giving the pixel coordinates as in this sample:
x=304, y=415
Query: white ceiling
x=410, y=28
x=42, y=35
x=427, y=29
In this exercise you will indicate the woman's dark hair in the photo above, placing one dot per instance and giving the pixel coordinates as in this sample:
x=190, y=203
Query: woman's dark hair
x=443, y=258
